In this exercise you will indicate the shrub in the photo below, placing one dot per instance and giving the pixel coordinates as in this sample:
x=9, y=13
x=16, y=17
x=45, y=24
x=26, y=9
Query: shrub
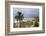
x=36, y=24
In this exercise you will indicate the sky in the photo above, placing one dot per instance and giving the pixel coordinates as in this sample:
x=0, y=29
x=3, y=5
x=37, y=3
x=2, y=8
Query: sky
x=28, y=12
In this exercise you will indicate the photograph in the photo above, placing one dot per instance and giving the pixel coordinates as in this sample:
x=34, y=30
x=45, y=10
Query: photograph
x=25, y=17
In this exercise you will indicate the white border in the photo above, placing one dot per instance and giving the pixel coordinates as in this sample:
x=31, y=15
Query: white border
x=25, y=29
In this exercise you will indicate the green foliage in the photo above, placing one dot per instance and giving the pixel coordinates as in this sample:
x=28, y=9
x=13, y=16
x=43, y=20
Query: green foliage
x=19, y=16
x=36, y=24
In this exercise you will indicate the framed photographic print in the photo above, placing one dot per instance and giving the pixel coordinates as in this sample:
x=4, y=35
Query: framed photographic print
x=24, y=17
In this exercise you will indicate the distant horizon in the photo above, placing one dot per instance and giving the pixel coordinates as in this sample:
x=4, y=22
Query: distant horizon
x=25, y=19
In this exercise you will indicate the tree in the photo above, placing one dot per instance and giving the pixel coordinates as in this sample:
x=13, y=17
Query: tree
x=36, y=22
x=37, y=18
x=19, y=17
